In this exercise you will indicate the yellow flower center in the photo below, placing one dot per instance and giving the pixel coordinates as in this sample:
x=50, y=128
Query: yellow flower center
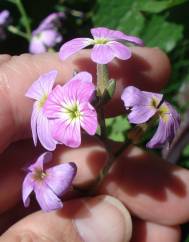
x=162, y=109
x=154, y=102
x=100, y=41
x=42, y=101
x=39, y=175
x=164, y=112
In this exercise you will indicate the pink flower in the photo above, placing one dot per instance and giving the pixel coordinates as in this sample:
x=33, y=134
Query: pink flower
x=47, y=34
x=107, y=45
x=69, y=108
x=145, y=105
x=48, y=184
x=40, y=125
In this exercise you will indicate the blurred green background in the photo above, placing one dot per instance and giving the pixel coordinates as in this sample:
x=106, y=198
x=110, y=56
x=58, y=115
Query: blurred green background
x=162, y=24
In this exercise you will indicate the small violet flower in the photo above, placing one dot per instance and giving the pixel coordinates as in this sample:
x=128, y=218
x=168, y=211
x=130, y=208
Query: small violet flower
x=143, y=106
x=40, y=125
x=69, y=108
x=4, y=22
x=48, y=184
x=47, y=34
x=107, y=45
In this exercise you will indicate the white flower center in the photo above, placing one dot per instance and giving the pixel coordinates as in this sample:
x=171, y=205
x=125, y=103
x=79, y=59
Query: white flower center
x=73, y=111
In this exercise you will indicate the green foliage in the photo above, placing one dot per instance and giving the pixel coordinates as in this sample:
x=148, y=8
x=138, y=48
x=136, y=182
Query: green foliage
x=158, y=6
x=161, y=33
x=117, y=128
x=135, y=17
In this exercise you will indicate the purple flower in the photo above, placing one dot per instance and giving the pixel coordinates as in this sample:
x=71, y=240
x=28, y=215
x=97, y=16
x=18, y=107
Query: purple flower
x=48, y=184
x=4, y=17
x=47, y=34
x=4, y=22
x=69, y=108
x=40, y=125
x=52, y=21
x=42, y=41
x=143, y=106
x=107, y=45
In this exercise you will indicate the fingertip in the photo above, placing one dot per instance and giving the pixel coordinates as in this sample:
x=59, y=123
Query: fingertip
x=147, y=231
x=158, y=72
x=100, y=218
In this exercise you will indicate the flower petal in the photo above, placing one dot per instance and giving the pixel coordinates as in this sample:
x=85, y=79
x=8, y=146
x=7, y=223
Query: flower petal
x=42, y=159
x=83, y=76
x=44, y=131
x=89, y=121
x=102, y=32
x=141, y=114
x=50, y=37
x=120, y=51
x=132, y=96
x=53, y=105
x=74, y=91
x=42, y=86
x=27, y=188
x=161, y=135
x=36, y=46
x=34, y=117
x=102, y=54
x=46, y=198
x=73, y=46
x=175, y=117
x=77, y=90
x=67, y=132
x=51, y=21
x=59, y=178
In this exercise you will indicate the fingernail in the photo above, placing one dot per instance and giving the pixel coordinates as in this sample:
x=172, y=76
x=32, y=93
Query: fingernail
x=103, y=218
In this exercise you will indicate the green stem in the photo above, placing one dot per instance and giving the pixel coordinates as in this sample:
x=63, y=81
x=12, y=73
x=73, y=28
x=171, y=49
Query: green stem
x=25, y=18
x=102, y=124
x=108, y=165
x=14, y=30
x=102, y=79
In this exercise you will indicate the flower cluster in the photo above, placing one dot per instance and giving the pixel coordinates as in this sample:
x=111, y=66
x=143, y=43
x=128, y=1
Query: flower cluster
x=145, y=105
x=47, y=34
x=62, y=112
x=59, y=113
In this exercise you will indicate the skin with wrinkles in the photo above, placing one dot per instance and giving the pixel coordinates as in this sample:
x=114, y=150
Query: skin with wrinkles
x=149, y=68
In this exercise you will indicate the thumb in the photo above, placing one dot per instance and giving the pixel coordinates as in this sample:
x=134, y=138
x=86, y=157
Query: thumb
x=101, y=219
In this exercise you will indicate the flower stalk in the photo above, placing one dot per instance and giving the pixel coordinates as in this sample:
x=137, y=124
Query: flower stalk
x=26, y=22
x=102, y=79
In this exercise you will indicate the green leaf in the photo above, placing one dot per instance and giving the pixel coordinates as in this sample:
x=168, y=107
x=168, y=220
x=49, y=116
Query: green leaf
x=162, y=33
x=132, y=22
x=122, y=15
x=158, y=6
x=117, y=128
x=127, y=16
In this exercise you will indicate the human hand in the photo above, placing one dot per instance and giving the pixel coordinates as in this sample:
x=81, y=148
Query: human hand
x=150, y=188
